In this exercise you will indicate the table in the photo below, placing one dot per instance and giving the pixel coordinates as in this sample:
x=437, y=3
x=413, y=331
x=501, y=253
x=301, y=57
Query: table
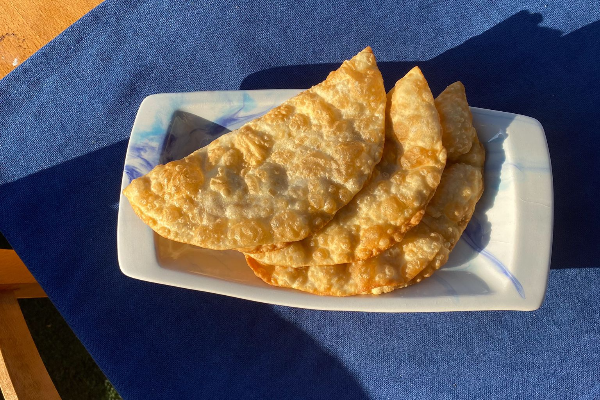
x=65, y=116
x=28, y=25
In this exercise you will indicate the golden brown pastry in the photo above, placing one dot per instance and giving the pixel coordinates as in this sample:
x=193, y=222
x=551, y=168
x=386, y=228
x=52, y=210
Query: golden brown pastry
x=394, y=200
x=457, y=121
x=278, y=178
x=425, y=248
x=453, y=101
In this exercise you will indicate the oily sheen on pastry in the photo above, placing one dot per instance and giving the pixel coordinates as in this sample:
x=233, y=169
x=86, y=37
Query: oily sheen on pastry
x=394, y=200
x=278, y=178
x=424, y=248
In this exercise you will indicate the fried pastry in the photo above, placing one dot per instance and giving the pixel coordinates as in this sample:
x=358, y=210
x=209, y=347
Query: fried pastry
x=395, y=198
x=426, y=247
x=278, y=178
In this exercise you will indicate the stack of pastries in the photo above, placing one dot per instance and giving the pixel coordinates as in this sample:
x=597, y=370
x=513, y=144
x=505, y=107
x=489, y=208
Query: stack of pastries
x=341, y=190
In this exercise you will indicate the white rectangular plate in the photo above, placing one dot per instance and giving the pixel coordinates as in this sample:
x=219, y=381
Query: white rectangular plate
x=500, y=263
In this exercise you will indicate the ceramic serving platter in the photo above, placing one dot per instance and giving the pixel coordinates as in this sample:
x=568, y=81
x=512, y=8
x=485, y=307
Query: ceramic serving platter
x=500, y=263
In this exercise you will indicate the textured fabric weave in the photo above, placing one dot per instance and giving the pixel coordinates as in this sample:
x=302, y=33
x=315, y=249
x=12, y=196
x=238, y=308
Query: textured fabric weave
x=65, y=117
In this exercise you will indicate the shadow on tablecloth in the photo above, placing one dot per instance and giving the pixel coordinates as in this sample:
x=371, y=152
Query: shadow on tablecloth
x=252, y=363
x=522, y=67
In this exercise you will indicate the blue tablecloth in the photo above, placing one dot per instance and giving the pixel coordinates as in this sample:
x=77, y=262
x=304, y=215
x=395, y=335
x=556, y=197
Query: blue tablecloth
x=65, y=117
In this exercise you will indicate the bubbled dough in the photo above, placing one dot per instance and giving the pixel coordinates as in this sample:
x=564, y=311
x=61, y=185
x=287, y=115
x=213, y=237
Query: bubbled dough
x=395, y=266
x=457, y=121
x=423, y=250
x=278, y=178
x=453, y=100
x=394, y=199
x=427, y=246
